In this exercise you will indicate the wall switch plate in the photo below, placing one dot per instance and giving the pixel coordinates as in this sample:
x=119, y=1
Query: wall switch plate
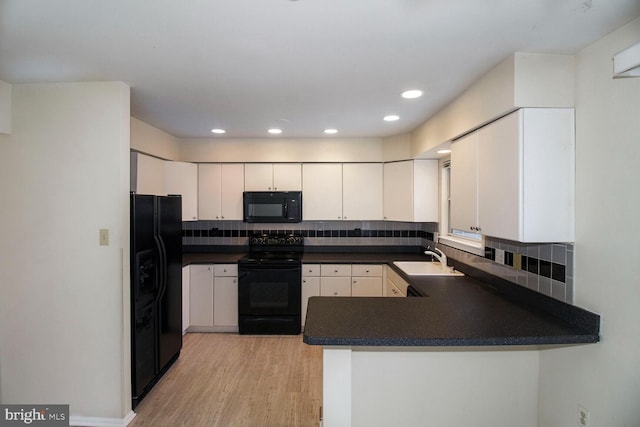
x=583, y=417
x=500, y=256
x=104, y=237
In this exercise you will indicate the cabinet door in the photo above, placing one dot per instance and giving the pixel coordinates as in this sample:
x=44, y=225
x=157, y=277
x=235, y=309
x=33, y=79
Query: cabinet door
x=148, y=173
x=186, y=297
x=366, y=286
x=232, y=178
x=464, y=184
x=393, y=291
x=335, y=286
x=499, y=179
x=258, y=177
x=209, y=187
x=201, y=296
x=362, y=191
x=225, y=304
x=182, y=178
x=310, y=288
x=287, y=176
x=398, y=190
x=322, y=191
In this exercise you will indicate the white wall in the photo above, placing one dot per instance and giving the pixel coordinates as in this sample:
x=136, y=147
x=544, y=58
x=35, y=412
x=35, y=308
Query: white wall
x=5, y=107
x=604, y=378
x=64, y=170
x=281, y=150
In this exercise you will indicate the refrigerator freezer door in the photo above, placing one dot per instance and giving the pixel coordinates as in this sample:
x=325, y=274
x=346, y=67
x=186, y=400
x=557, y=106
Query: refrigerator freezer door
x=169, y=231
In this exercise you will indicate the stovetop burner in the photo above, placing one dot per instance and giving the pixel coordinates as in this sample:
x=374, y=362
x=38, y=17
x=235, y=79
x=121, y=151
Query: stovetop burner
x=267, y=248
x=276, y=239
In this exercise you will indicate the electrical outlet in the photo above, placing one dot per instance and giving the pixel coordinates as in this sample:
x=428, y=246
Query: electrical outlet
x=500, y=256
x=104, y=237
x=583, y=417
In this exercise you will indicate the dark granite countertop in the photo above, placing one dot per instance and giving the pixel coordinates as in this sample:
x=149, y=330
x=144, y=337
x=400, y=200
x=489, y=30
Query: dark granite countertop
x=211, y=258
x=456, y=311
x=474, y=310
x=307, y=257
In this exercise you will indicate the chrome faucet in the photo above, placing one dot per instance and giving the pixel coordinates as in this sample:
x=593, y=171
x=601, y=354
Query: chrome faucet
x=440, y=256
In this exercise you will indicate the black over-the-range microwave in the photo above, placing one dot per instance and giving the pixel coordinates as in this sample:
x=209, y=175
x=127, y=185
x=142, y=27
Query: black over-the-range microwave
x=272, y=206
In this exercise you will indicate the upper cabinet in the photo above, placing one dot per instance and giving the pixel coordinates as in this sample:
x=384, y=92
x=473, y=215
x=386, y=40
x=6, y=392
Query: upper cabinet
x=362, y=191
x=411, y=191
x=147, y=174
x=322, y=191
x=336, y=191
x=182, y=178
x=514, y=178
x=220, y=187
x=272, y=177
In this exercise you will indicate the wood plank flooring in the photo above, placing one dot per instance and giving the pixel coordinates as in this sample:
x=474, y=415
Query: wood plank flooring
x=237, y=381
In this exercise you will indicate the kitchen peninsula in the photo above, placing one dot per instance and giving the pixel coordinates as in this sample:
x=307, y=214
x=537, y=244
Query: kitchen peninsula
x=464, y=354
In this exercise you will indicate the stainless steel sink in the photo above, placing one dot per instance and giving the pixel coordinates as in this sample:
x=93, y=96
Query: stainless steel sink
x=425, y=268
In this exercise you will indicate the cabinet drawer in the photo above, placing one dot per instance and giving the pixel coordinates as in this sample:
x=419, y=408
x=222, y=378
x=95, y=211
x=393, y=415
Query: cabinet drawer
x=221, y=270
x=329, y=270
x=366, y=270
x=310, y=270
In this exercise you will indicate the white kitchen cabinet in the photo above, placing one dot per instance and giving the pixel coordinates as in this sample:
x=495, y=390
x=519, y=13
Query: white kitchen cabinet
x=186, y=297
x=366, y=286
x=220, y=187
x=225, y=298
x=366, y=280
x=310, y=286
x=201, y=298
x=396, y=286
x=362, y=185
x=411, y=191
x=335, y=286
x=213, y=298
x=182, y=178
x=147, y=174
x=524, y=177
x=463, y=213
x=321, y=191
x=273, y=177
x=335, y=270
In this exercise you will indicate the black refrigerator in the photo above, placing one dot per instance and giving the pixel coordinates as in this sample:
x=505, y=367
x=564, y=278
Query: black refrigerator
x=156, y=289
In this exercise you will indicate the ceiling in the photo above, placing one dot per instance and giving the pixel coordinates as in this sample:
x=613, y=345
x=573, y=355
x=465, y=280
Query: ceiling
x=298, y=65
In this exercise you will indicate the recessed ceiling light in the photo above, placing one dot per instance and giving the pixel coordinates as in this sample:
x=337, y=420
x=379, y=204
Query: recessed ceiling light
x=331, y=131
x=391, y=118
x=411, y=94
x=219, y=131
x=443, y=151
x=275, y=131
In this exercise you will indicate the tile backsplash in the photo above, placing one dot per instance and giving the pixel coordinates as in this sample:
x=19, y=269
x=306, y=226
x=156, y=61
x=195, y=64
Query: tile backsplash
x=545, y=268
x=317, y=233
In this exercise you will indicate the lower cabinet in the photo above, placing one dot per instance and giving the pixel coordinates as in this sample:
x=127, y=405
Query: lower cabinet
x=225, y=298
x=213, y=298
x=366, y=280
x=186, y=297
x=340, y=280
x=396, y=286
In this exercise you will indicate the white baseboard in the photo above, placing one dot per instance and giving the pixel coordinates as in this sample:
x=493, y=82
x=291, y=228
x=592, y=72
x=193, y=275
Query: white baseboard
x=101, y=422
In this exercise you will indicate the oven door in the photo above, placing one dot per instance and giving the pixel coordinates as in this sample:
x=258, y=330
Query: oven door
x=269, y=289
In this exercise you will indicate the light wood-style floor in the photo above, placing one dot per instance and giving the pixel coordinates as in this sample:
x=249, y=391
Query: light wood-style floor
x=235, y=380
